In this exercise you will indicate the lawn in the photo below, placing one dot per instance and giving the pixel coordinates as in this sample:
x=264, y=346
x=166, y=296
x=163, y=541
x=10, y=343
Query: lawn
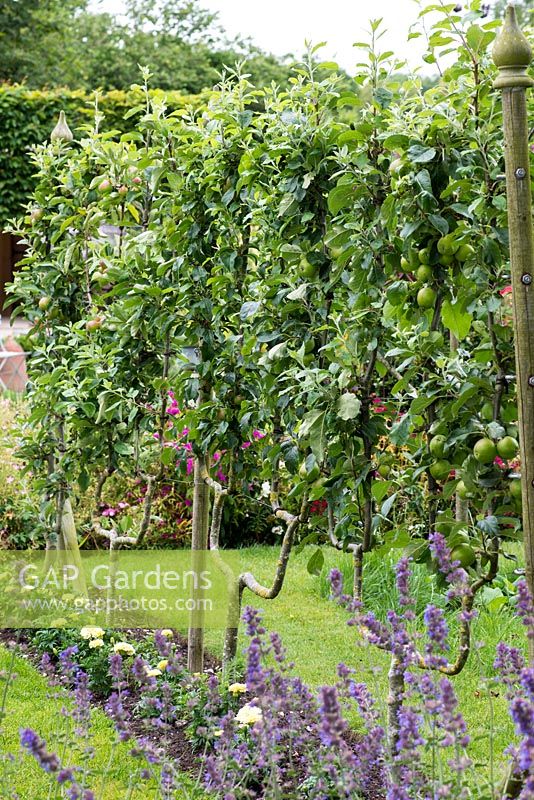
x=30, y=704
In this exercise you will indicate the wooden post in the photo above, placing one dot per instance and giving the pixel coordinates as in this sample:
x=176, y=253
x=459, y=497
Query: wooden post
x=512, y=54
x=199, y=545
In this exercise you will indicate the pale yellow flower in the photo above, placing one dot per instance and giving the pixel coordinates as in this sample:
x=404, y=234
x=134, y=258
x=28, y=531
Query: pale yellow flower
x=92, y=632
x=167, y=632
x=124, y=647
x=152, y=673
x=248, y=715
x=237, y=688
x=94, y=643
x=163, y=665
x=218, y=732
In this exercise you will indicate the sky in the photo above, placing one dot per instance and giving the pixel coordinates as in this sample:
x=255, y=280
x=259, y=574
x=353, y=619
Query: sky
x=282, y=26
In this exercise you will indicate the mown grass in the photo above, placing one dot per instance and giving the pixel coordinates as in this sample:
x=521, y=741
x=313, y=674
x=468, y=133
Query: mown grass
x=29, y=704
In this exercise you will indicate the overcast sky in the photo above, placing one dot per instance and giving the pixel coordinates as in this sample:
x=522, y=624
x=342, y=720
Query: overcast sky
x=282, y=26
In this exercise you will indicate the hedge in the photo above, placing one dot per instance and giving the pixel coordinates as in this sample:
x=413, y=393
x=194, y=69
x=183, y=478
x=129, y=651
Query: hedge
x=27, y=117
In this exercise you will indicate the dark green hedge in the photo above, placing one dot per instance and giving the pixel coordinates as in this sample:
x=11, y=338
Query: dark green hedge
x=28, y=116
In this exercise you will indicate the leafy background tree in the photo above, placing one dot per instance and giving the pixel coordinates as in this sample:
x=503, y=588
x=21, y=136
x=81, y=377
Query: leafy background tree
x=53, y=43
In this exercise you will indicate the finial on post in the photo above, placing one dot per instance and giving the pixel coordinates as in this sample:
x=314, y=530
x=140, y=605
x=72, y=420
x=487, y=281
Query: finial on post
x=512, y=54
x=62, y=130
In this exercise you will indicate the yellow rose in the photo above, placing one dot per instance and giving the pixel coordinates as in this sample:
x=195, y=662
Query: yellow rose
x=124, y=647
x=248, y=715
x=237, y=688
x=91, y=632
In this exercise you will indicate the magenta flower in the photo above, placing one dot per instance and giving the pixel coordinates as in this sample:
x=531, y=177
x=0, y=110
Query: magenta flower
x=258, y=434
x=190, y=466
x=109, y=512
x=245, y=445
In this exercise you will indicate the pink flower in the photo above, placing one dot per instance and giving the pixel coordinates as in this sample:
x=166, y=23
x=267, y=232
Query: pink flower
x=220, y=476
x=188, y=502
x=185, y=432
x=190, y=466
x=217, y=457
x=505, y=290
x=245, y=445
x=258, y=435
x=122, y=505
x=188, y=446
x=500, y=463
x=173, y=410
x=109, y=512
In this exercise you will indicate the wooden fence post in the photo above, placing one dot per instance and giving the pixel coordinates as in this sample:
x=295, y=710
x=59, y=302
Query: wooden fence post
x=512, y=54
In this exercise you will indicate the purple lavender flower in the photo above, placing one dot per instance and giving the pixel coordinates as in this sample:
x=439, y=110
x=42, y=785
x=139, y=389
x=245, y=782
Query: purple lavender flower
x=36, y=747
x=509, y=663
x=403, y=574
x=333, y=726
x=525, y=607
x=409, y=735
x=438, y=632
x=453, y=572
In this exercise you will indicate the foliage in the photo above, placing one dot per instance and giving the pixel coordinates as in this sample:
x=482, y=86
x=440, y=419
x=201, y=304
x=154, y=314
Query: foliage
x=28, y=116
x=20, y=527
x=57, y=44
x=295, y=299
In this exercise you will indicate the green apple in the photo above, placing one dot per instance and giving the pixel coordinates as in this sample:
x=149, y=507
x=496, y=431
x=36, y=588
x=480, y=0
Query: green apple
x=507, y=447
x=440, y=469
x=464, y=252
x=424, y=273
x=426, y=297
x=424, y=255
x=437, y=446
x=484, y=451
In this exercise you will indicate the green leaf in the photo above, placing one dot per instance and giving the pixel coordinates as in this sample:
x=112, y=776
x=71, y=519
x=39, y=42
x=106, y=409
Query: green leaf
x=387, y=505
x=439, y=223
x=168, y=456
x=348, y=406
x=419, y=154
x=380, y=489
x=398, y=141
x=340, y=197
x=456, y=319
x=249, y=309
x=316, y=562
x=400, y=431
x=312, y=427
